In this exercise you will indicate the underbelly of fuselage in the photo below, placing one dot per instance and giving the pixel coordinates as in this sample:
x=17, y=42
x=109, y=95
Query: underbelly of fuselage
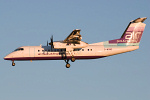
x=54, y=58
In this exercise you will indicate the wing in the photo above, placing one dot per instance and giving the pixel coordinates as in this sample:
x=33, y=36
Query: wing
x=74, y=37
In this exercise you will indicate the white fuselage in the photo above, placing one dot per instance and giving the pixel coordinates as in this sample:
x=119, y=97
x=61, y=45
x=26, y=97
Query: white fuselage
x=93, y=51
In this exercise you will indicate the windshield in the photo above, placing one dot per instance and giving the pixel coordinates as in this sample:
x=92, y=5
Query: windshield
x=19, y=49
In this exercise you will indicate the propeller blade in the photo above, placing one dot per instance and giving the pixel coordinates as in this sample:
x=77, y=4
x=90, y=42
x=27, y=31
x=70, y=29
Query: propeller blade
x=52, y=39
x=47, y=43
x=51, y=43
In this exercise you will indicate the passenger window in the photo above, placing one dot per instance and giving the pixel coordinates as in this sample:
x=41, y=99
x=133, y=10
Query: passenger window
x=88, y=49
x=91, y=49
x=82, y=49
x=38, y=50
x=63, y=50
x=78, y=49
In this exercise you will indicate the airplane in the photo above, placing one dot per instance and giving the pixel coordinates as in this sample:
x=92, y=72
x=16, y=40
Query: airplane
x=72, y=48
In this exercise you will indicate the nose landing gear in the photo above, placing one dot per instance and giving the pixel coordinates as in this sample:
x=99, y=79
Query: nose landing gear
x=13, y=64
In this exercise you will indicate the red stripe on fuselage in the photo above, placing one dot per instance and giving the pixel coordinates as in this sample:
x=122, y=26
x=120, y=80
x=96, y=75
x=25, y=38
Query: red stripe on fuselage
x=53, y=58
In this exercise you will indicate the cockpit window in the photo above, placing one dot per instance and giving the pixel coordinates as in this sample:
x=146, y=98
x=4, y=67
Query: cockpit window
x=19, y=49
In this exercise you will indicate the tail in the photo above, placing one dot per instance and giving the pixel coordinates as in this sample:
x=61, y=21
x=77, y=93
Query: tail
x=133, y=33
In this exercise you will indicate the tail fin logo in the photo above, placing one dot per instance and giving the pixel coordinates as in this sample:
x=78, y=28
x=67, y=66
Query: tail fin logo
x=133, y=36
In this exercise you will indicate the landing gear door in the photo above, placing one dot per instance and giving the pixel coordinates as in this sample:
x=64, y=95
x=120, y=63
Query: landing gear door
x=31, y=52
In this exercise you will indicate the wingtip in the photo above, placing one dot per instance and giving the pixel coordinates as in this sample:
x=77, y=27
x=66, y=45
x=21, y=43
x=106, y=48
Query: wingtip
x=139, y=20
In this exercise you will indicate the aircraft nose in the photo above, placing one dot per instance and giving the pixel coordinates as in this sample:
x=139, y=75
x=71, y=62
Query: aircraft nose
x=8, y=57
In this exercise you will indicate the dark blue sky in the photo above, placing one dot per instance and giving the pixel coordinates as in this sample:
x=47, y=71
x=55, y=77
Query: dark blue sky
x=32, y=22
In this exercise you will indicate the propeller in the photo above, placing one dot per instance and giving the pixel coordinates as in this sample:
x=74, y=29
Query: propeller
x=51, y=43
x=47, y=42
x=51, y=39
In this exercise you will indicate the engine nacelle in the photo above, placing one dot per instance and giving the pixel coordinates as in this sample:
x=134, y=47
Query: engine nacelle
x=61, y=45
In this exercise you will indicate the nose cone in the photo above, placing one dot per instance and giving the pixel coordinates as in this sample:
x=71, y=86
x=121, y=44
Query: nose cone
x=8, y=57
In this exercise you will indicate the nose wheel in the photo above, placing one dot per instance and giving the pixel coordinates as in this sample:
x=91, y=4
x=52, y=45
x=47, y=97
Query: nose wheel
x=13, y=64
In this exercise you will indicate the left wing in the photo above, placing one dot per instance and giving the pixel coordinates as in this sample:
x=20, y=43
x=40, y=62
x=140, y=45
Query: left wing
x=74, y=37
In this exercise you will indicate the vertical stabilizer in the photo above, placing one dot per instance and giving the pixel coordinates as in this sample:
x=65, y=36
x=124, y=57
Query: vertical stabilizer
x=133, y=33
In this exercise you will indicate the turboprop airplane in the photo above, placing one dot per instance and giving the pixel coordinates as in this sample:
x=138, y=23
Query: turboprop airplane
x=72, y=48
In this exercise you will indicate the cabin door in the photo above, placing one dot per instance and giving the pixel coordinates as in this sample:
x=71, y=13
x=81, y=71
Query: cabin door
x=31, y=52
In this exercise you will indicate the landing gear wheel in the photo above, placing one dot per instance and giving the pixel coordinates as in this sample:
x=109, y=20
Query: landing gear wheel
x=68, y=65
x=73, y=59
x=13, y=64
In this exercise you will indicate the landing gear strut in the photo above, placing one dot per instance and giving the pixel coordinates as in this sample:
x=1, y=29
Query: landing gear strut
x=72, y=55
x=67, y=64
x=13, y=64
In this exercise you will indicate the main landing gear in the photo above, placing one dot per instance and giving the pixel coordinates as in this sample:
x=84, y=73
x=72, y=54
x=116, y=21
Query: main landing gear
x=67, y=62
x=13, y=64
x=73, y=59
